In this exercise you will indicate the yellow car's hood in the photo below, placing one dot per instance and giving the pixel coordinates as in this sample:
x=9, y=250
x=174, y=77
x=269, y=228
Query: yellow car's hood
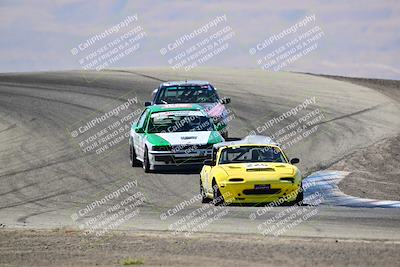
x=272, y=169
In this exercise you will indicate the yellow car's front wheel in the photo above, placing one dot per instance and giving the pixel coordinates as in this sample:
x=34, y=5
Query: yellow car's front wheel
x=299, y=197
x=204, y=198
x=218, y=199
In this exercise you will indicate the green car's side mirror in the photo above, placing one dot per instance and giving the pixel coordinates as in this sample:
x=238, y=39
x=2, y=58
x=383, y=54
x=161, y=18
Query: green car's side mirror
x=139, y=130
x=136, y=128
x=226, y=100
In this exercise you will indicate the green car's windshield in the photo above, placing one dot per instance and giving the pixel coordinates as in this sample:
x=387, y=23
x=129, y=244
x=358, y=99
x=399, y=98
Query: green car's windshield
x=173, y=122
x=245, y=154
x=187, y=94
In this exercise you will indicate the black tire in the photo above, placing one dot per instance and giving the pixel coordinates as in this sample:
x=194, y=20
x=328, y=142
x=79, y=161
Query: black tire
x=132, y=157
x=300, y=196
x=218, y=199
x=224, y=134
x=146, y=163
x=204, y=198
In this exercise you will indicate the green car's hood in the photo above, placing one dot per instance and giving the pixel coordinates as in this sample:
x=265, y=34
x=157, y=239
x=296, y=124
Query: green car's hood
x=184, y=138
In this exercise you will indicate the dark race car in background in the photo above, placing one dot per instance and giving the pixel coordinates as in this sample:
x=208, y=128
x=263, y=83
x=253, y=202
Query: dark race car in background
x=194, y=92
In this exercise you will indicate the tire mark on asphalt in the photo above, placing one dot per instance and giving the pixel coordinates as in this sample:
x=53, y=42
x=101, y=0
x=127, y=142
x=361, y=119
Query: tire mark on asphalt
x=9, y=128
x=17, y=189
x=350, y=114
x=35, y=199
x=140, y=74
x=40, y=166
x=53, y=89
x=49, y=99
x=24, y=218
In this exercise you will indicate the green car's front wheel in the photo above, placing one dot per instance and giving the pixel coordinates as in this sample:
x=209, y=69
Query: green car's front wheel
x=132, y=157
x=225, y=134
x=146, y=162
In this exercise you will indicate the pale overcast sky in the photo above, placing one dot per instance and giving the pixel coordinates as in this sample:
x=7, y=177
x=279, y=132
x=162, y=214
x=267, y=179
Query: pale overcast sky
x=361, y=37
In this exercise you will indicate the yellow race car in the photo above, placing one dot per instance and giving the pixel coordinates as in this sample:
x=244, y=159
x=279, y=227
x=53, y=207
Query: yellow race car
x=251, y=170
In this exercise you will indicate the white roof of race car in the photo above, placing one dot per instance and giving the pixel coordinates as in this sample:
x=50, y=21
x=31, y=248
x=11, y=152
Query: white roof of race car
x=250, y=139
x=180, y=83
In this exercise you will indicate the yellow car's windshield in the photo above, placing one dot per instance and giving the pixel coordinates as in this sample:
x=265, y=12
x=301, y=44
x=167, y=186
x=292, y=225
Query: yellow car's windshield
x=245, y=154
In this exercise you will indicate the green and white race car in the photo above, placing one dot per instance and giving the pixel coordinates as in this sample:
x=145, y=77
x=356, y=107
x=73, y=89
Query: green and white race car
x=172, y=135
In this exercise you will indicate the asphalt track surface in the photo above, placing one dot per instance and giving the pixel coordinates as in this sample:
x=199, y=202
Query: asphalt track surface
x=45, y=177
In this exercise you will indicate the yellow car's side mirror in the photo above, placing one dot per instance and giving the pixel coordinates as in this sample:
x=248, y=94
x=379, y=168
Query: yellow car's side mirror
x=209, y=162
x=294, y=161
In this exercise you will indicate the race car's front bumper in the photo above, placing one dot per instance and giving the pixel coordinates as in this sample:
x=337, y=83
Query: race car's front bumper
x=247, y=192
x=179, y=158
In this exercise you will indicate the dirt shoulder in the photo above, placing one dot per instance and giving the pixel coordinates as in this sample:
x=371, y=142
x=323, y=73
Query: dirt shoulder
x=70, y=248
x=390, y=88
x=374, y=170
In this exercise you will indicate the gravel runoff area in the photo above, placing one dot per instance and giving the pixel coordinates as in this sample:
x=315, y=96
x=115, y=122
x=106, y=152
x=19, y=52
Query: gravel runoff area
x=70, y=248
